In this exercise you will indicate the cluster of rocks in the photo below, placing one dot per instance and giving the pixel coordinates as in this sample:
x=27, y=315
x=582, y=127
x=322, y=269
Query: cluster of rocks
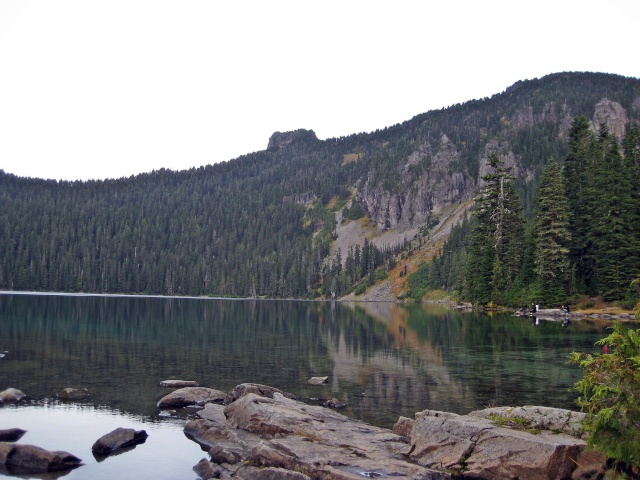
x=23, y=459
x=259, y=432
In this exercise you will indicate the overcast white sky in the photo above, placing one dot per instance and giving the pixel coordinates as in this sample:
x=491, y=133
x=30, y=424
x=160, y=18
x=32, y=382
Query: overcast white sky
x=111, y=88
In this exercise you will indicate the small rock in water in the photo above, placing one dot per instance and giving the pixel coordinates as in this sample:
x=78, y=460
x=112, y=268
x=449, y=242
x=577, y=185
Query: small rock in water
x=179, y=383
x=11, y=434
x=318, y=380
x=74, y=394
x=11, y=395
x=117, y=439
x=334, y=403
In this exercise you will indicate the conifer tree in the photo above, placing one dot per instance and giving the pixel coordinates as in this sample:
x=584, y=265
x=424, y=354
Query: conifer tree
x=552, y=236
x=614, y=230
x=495, y=251
x=579, y=188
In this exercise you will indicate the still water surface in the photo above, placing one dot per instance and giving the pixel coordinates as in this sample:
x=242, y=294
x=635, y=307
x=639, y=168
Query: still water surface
x=383, y=359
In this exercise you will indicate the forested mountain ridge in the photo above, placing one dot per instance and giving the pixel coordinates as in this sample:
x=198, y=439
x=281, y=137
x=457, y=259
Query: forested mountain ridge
x=269, y=223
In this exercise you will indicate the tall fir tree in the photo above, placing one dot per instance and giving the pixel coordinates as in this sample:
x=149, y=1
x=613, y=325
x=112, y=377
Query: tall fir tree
x=579, y=188
x=496, y=246
x=552, y=236
x=614, y=230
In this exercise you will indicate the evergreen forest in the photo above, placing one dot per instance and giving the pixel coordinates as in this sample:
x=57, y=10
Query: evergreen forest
x=550, y=164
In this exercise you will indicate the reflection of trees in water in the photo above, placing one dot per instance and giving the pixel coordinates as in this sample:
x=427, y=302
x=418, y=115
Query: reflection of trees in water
x=384, y=359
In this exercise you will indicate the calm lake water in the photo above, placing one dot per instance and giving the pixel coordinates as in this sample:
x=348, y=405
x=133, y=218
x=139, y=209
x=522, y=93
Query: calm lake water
x=383, y=359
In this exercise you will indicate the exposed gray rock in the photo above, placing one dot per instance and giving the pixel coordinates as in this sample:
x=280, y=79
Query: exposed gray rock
x=118, y=439
x=179, y=383
x=268, y=434
x=613, y=115
x=11, y=434
x=541, y=418
x=475, y=447
x=19, y=459
x=207, y=470
x=282, y=139
x=318, y=380
x=246, y=388
x=74, y=394
x=184, y=397
x=11, y=395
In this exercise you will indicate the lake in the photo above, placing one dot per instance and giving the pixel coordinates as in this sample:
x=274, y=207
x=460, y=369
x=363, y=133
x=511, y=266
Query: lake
x=383, y=360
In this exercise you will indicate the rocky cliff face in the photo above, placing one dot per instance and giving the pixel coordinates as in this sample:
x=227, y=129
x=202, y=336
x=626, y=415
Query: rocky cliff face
x=443, y=183
x=281, y=139
x=424, y=195
x=613, y=115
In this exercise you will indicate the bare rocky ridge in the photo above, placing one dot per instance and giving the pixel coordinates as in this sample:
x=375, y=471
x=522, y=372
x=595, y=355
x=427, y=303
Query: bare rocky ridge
x=278, y=437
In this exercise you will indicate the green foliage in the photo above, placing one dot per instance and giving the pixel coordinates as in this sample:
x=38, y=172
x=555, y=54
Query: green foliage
x=610, y=394
x=552, y=236
x=260, y=225
x=497, y=241
x=355, y=212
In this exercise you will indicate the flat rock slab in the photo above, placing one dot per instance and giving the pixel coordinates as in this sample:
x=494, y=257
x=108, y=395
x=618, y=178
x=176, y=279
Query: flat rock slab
x=118, y=439
x=179, y=383
x=187, y=396
x=542, y=418
x=475, y=447
x=284, y=435
x=19, y=459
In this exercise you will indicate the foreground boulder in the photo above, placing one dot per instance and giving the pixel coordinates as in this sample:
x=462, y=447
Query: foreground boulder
x=18, y=459
x=11, y=434
x=11, y=395
x=187, y=396
x=480, y=445
x=118, y=439
x=261, y=437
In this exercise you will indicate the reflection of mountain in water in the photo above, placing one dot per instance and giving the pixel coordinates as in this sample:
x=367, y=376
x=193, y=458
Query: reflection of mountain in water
x=384, y=359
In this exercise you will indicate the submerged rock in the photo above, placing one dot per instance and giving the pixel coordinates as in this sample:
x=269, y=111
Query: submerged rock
x=118, y=439
x=19, y=459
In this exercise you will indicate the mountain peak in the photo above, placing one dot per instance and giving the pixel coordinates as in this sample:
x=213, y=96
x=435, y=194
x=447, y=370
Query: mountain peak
x=281, y=139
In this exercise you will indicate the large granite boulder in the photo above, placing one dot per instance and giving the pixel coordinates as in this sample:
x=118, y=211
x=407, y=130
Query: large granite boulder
x=256, y=433
x=118, y=439
x=497, y=445
x=19, y=459
x=187, y=396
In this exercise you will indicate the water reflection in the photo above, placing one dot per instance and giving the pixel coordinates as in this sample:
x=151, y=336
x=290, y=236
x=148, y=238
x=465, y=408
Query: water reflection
x=384, y=359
